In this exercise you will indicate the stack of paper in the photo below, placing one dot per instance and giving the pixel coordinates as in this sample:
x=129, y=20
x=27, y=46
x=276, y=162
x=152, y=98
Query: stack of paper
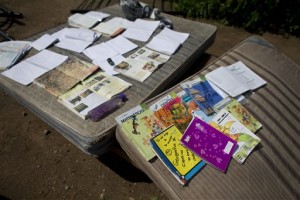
x=75, y=39
x=141, y=30
x=11, y=52
x=26, y=71
x=167, y=41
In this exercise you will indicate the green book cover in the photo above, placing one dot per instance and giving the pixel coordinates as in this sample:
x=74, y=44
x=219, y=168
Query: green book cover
x=140, y=125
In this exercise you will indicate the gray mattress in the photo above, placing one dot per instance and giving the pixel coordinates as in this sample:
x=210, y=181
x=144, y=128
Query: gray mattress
x=272, y=170
x=96, y=137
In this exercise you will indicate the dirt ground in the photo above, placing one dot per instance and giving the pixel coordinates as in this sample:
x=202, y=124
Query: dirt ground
x=37, y=162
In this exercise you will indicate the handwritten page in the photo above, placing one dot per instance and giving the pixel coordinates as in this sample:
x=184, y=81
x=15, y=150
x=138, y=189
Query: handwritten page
x=43, y=42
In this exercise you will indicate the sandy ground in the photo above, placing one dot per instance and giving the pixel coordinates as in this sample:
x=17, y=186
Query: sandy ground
x=36, y=162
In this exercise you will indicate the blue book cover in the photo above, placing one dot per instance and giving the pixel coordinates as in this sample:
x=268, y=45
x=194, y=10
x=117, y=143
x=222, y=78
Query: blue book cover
x=204, y=95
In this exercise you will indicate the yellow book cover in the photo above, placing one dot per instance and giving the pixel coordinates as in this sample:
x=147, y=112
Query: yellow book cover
x=182, y=162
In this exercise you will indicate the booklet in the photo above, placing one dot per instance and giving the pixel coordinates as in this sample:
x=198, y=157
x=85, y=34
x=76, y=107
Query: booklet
x=141, y=64
x=11, y=52
x=235, y=79
x=230, y=126
x=106, y=85
x=31, y=68
x=140, y=125
x=81, y=100
x=65, y=76
x=209, y=144
x=92, y=92
x=180, y=161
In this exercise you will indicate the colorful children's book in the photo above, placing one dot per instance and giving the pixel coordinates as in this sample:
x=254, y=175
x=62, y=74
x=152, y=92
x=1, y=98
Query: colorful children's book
x=140, y=125
x=175, y=112
x=180, y=161
x=239, y=112
x=230, y=126
x=208, y=143
x=204, y=95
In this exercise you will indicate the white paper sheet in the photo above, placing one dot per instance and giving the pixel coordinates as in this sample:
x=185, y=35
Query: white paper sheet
x=100, y=51
x=43, y=42
x=121, y=44
x=141, y=30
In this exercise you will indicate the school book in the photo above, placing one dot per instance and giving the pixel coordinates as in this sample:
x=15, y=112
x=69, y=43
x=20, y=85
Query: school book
x=204, y=95
x=230, y=126
x=180, y=161
x=240, y=113
x=65, y=76
x=140, y=125
x=106, y=85
x=141, y=64
x=81, y=100
x=175, y=112
x=209, y=144
x=235, y=79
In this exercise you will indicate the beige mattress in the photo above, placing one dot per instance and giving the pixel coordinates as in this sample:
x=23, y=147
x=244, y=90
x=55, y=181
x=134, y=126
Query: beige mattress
x=96, y=137
x=272, y=171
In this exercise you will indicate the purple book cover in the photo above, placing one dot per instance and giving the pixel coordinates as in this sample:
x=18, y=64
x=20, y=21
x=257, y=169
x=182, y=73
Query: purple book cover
x=208, y=143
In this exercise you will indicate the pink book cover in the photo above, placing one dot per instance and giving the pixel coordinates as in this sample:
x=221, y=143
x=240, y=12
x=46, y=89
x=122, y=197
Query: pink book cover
x=208, y=143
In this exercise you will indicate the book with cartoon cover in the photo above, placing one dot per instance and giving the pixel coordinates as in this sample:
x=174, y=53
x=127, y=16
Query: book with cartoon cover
x=230, y=126
x=175, y=112
x=180, y=161
x=140, y=125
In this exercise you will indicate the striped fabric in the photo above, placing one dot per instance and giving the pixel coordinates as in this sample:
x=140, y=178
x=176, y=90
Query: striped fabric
x=272, y=170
